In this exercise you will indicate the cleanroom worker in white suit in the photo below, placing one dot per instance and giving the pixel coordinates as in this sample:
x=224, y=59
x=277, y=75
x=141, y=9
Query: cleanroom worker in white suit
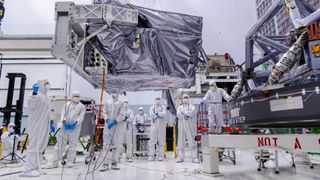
x=187, y=129
x=158, y=130
x=37, y=128
x=213, y=99
x=72, y=115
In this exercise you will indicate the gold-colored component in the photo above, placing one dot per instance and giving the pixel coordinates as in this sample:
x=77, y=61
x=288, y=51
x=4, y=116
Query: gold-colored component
x=315, y=49
x=288, y=10
x=0, y=149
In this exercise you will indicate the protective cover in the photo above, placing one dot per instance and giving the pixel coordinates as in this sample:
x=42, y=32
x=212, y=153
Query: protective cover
x=161, y=52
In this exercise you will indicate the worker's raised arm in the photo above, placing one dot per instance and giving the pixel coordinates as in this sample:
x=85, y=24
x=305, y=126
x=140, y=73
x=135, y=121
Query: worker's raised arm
x=225, y=95
x=32, y=101
x=206, y=97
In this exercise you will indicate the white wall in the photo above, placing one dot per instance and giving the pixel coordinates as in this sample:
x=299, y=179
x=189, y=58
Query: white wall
x=34, y=72
x=56, y=74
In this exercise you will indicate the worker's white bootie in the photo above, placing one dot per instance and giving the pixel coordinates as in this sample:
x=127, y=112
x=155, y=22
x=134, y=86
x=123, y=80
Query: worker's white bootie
x=129, y=160
x=195, y=160
x=179, y=160
x=30, y=174
x=160, y=158
x=52, y=166
x=70, y=165
x=115, y=166
x=104, y=167
x=150, y=158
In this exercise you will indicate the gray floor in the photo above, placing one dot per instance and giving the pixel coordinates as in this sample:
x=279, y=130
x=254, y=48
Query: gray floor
x=144, y=170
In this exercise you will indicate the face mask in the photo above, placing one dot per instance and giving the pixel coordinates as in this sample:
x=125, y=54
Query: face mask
x=158, y=102
x=115, y=96
x=213, y=88
x=185, y=101
x=76, y=99
x=141, y=112
x=47, y=87
x=125, y=105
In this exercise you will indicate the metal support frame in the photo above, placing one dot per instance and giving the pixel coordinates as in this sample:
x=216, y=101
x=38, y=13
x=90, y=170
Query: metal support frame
x=266, y=51
x=266, y=58
x=296, y=8
x=270, y=45
x=267, y=43
x=273, y=10
x=272, y=41
x=276, y=37
x=18, y=108
x=249, y=52
x=305, y=8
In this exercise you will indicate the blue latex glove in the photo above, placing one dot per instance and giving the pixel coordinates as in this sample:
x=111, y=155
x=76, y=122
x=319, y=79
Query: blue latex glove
x=65, y=125
x=73, y=125
x=157, y=114
x=35, y=89
x=126, y=118
x=203, y=102
x=10, y=134
x=69, y=125
x=111, y=123
x=52, y=127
